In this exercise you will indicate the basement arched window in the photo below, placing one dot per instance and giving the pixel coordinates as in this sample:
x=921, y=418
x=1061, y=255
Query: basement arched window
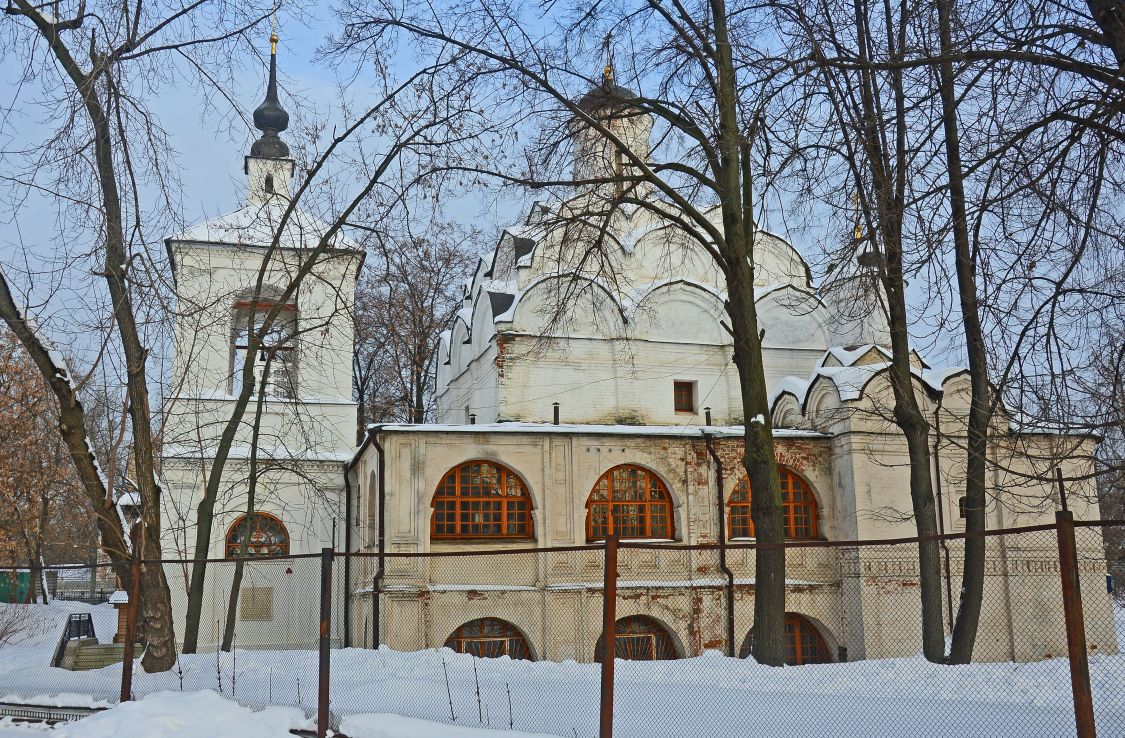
x=481, y=499
x=641, y=638
x=489, y=638
x=638, y=500
x=266, y=535
x=803, y=642
x=798, y=504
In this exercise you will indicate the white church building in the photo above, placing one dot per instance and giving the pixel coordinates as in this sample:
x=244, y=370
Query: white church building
x=624, y=402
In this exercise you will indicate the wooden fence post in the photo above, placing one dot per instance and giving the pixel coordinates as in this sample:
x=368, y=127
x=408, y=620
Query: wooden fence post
x=1075, y=625
x=609, y=636
x=325, y=666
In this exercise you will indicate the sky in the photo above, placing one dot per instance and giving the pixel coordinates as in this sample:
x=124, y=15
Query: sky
x=209, y=145
x=209, y=150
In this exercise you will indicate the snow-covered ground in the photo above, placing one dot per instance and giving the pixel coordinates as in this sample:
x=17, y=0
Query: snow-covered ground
x=435, y=693
x=207, y=715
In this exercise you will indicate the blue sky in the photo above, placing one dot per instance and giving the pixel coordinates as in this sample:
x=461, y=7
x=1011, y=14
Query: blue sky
x=211, y=149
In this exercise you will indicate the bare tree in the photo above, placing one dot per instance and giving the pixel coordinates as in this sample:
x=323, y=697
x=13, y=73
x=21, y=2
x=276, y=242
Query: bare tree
x=847, y=134
x=1009, y=213
x=428, y=129
x=19, y=623
x=409, y=294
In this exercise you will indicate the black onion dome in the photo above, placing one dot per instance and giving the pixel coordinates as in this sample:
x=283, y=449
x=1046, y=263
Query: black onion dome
x=607, y=95
x=270, y=118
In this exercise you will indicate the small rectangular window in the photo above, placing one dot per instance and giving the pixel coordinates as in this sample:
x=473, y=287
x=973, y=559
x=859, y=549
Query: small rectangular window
x=684, y=395
x=961, y=509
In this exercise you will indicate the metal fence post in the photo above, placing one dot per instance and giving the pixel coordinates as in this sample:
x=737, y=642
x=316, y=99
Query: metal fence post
x=131, y=628
x=1075, y=625
x=376, y=585
x=609, y=637
x=325, y=665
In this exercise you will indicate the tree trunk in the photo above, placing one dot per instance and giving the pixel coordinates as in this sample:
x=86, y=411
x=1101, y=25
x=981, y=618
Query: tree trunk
x=909, y=418
x=419, y=380
x=759, y=461
x=33, y=577
x=888, y=179
x=155, y=626
x=232, y=600
x=251, y=498
x=734, y=182
x=972, y=582
x=1110, y=17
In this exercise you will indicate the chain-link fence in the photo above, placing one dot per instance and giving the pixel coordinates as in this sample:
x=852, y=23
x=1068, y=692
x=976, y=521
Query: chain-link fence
x=513, y=639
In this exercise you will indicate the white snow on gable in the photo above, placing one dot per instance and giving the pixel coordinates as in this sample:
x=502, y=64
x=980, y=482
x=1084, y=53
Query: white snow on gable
x=850, y=380
x=848, y=356
x=838, y=366
x=936, y=378
x=256, y=225
x=629, y=239
x=793, y=385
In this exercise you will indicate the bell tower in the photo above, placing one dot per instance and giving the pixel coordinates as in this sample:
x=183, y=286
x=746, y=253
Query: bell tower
x=299, y=423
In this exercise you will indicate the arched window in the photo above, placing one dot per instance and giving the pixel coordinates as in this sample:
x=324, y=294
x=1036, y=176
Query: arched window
x=481, y=499
x=275, y=361
x=797, y=502
x=267, y=537
x=489, y=638
x=803, y=642
x=640, y=638
x=641, y=505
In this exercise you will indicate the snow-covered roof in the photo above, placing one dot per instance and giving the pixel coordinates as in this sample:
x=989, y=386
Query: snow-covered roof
x=1022, y=423
x=849, y=355
x=72, y=572
x=850, y=378
x=579, y=429
x=129, y=499
x=793, y=385
x=256, y=225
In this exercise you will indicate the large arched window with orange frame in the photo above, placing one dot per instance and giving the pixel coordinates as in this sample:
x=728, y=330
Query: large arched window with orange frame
x=638, y=501
x=489, y=638
x=797, y=501
x=803, y=642
x=481, y=499
x=265, y=535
